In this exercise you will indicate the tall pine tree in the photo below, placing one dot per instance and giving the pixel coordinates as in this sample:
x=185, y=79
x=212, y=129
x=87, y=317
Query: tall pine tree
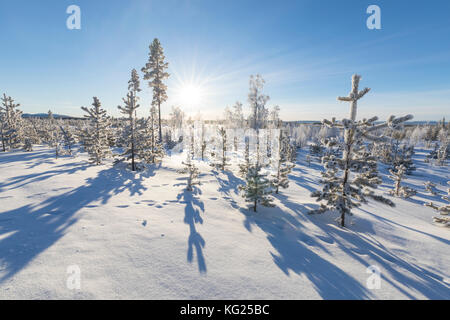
x=155, y=71
x=129, y=109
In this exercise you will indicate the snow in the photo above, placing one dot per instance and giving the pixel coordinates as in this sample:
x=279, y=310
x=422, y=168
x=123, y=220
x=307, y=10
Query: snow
x=140, y=235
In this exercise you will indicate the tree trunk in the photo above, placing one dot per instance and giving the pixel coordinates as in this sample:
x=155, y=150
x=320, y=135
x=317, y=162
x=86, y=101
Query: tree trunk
x=347, y=154
x=159, y=121
x=133, y=167
x=3, y=143
x=343, y=219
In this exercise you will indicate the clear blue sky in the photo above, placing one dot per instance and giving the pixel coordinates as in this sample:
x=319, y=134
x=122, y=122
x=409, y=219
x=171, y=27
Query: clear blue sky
x=306, y=50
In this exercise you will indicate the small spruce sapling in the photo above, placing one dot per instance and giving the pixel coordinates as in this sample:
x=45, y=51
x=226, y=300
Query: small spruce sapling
x=398, y=175
x=283, y=164
x=257, y=188
x=443, y=210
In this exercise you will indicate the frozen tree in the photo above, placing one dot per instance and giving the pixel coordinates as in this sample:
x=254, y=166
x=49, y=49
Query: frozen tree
x=176, y=117
x=331, y=146
x=398, y=175
x=11, y=124
x=155, y=72
x=202, y=141
x=443, y=152
x=28, y=145
x=257, y=101
x=191, y=170
x=221, y=159
x=244, y=167
x=430, y=187
x=443, y=210
x=275, y=117
x=403, y=156
x=354, y=96
x=150, y=148
x=282, y=164
x=292, y=152
x=228, y=117
x=69, y=138
x=96, y=142
x=269, y=144
x=3, y=126
x=30, y=134
x=316, y=149
x=345, y=186
x=34, y=130
x=54, y=134
x=238, y=116
x=308, y=160
x=257, y=188
x=129, y=109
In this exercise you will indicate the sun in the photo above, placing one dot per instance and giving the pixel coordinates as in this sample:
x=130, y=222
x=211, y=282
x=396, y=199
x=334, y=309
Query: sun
x=191, y=95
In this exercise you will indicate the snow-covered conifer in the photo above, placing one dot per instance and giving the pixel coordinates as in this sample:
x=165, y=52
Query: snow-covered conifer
x=150, y=149
x=176, y=117
x=257, y=101
x=257, y=188
x=191, y=170
x=28, y=145
x=10, y=124
x=430, y=187
x=244, y=167
x=403, y=156
x=202, y=141
x=443, y=153
x=238, y=116
x=398, y=175
x=97, y=143
x=316, y=150
x=54, y=134
x=269, y=144
x=443, y=210
x=129, y=109
x=155, y=72
x=283, y=165
x=308, y=160
x=221, y=160
x=69, y=139
x=342, y=191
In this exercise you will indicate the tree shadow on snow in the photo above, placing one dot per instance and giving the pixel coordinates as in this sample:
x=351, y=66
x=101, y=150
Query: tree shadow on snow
x=27, y=231
x=229, y=186
x=296, y=252
x=362, y=246
x=367, y=250
x=191, y=217
x=20, y=181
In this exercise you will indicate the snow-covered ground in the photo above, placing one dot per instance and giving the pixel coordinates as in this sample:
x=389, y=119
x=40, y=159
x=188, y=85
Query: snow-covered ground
x=142, y=236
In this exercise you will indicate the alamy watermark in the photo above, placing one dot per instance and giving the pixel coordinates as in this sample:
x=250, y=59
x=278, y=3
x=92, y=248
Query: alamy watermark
x=374, y=20
x=73, y=281
x=374, y=280
x=73, y=22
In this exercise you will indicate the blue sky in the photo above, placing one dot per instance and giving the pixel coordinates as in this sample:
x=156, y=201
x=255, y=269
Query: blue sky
x=306, y=51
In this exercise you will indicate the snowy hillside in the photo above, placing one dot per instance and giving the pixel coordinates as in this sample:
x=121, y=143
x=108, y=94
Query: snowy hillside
x=141, y=235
